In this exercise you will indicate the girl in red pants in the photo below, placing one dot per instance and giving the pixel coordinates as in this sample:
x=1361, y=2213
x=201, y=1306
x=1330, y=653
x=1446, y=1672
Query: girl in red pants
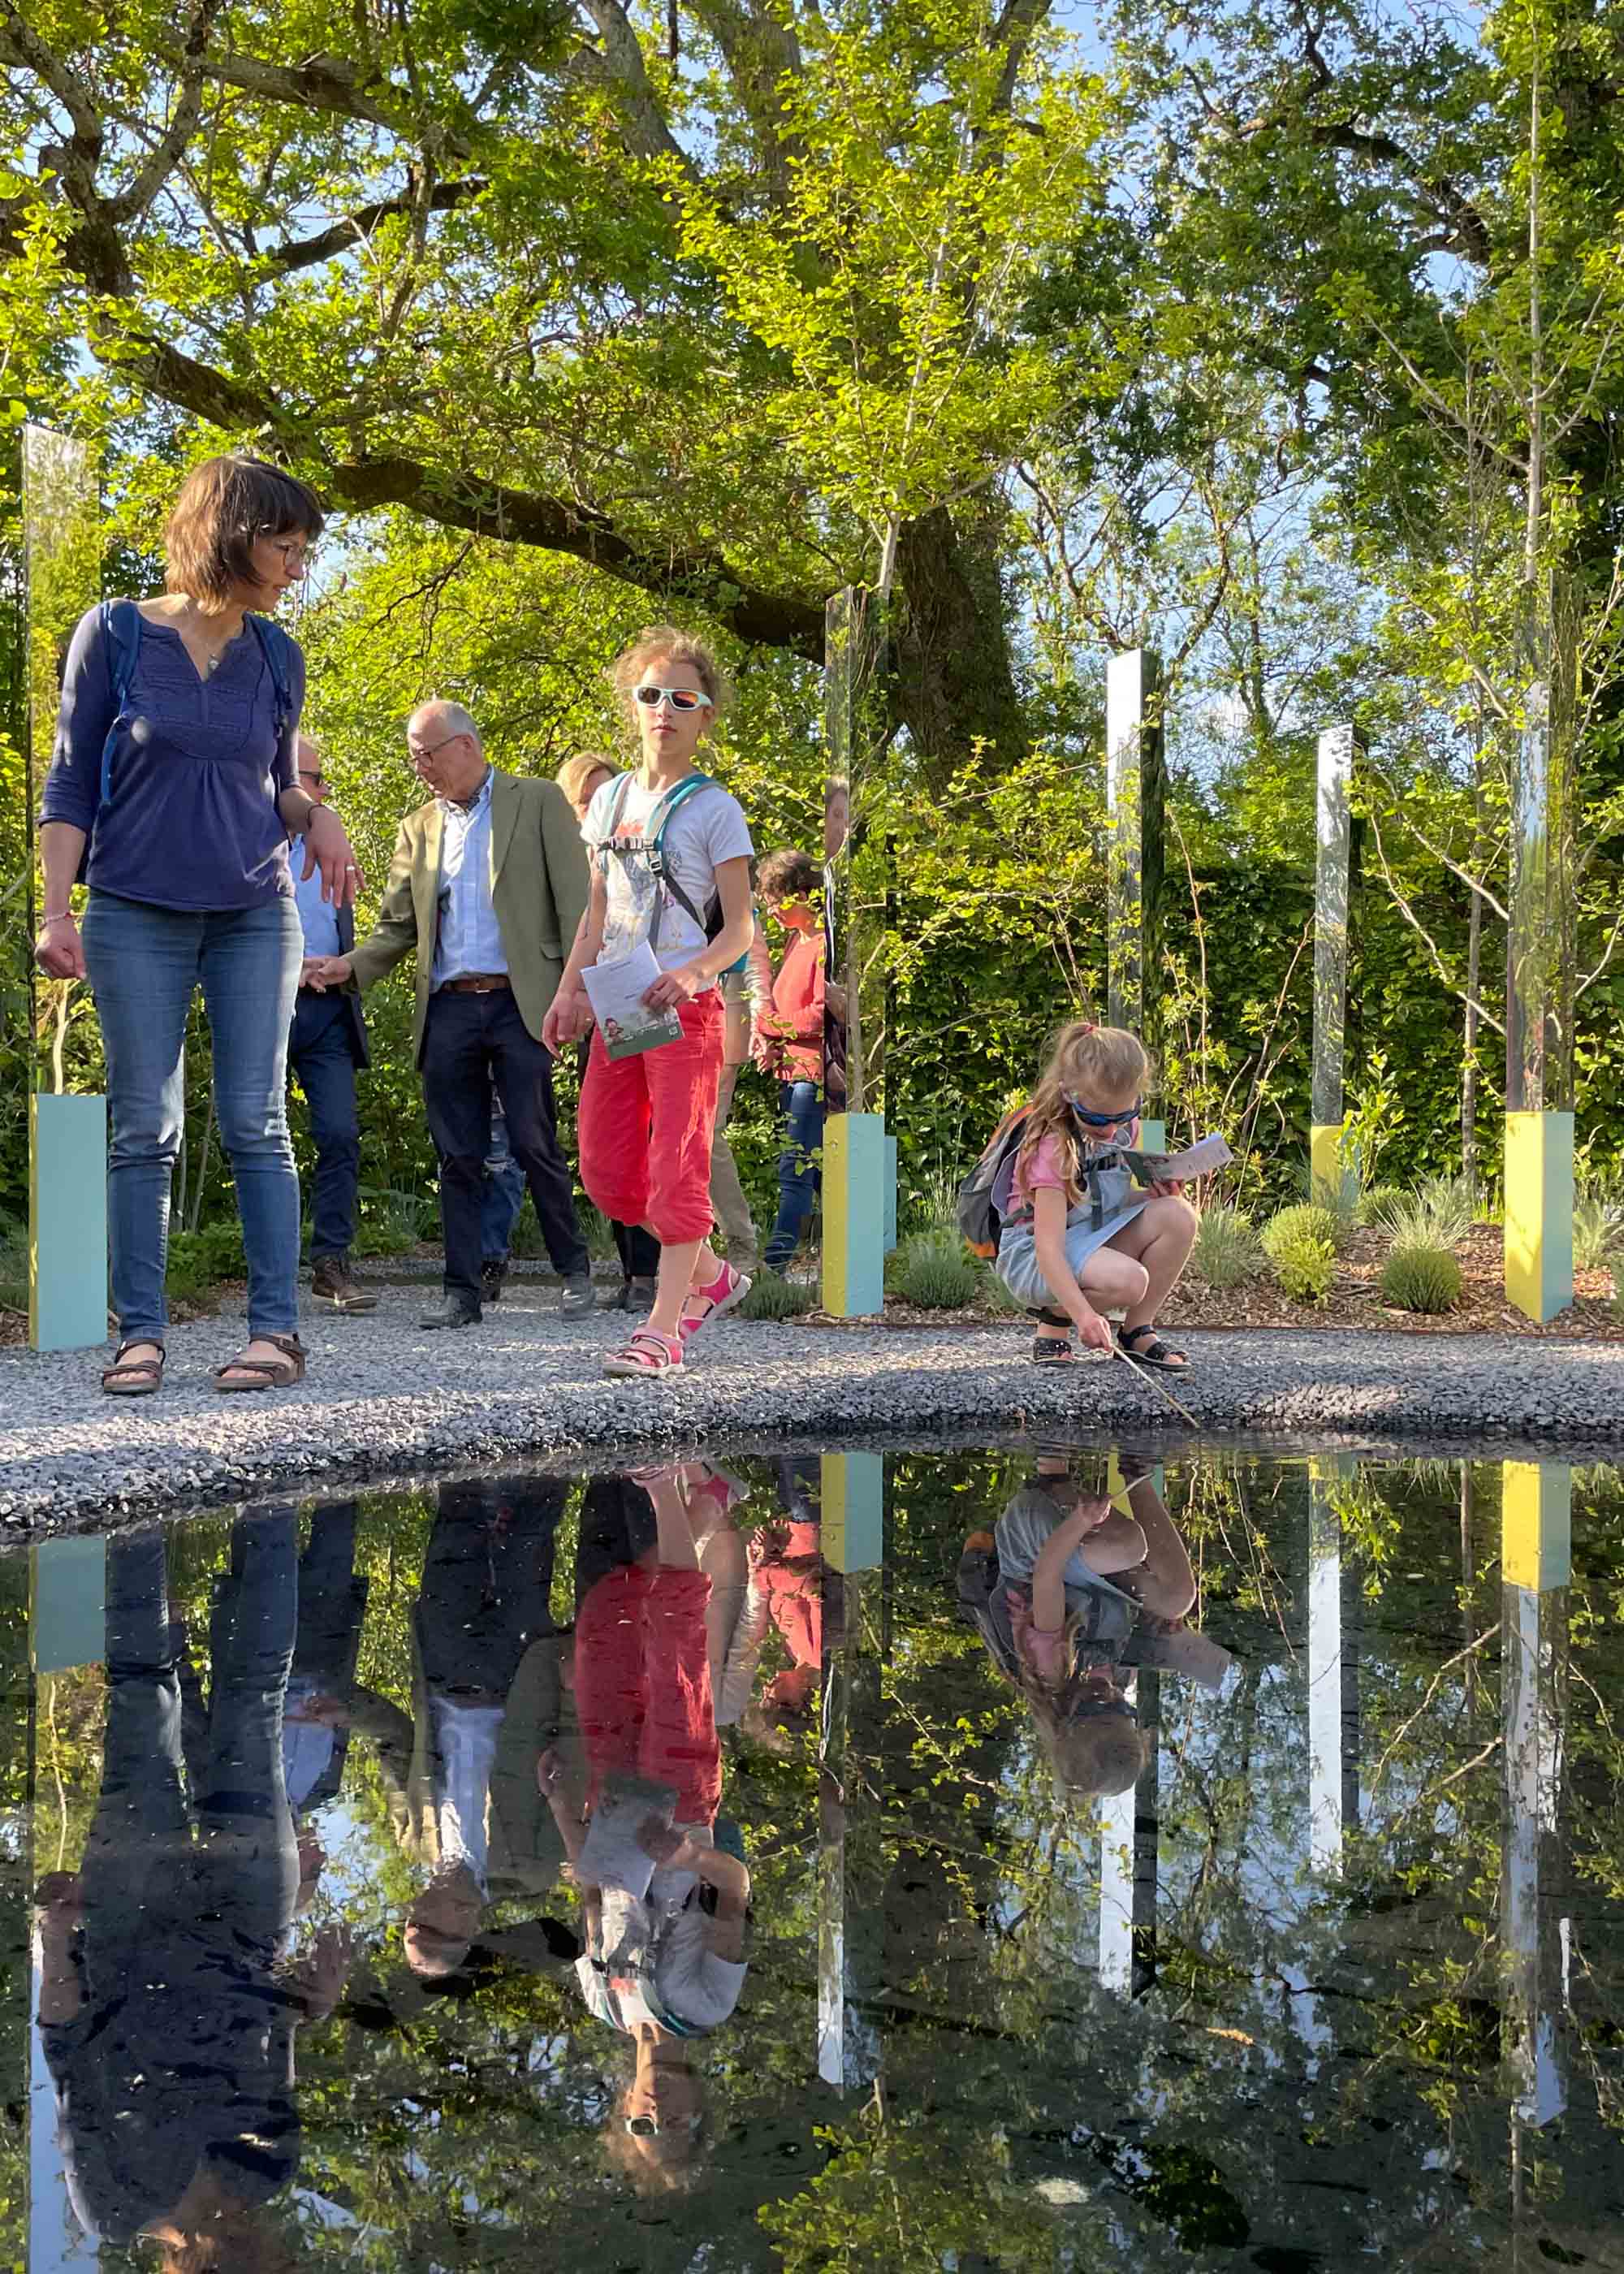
x=671, y=866
x=669, y=1965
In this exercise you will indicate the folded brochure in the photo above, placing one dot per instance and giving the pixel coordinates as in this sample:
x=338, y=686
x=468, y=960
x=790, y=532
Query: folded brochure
x=615, y=991
x=1197, y=1160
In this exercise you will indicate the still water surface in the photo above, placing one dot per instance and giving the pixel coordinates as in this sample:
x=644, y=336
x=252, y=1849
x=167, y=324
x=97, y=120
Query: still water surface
x=665, y=1872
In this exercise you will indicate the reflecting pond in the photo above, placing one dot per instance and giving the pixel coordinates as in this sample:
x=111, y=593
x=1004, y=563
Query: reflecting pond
x=964, y=1861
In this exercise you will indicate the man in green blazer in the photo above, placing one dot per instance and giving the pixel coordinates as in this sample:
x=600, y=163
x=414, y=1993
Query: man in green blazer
x=486, y=889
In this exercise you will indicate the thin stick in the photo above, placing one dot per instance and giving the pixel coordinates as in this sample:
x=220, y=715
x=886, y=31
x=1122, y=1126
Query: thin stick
x=1160, y=1388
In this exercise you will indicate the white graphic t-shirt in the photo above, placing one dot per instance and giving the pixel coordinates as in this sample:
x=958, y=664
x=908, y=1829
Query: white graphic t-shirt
x=708, y=828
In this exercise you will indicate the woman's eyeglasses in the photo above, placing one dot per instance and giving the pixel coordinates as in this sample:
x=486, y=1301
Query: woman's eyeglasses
x=1092, y=1120
x=295, y=550
x=681, y=698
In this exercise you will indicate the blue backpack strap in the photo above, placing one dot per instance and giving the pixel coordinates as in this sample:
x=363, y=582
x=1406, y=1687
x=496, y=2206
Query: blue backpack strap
x=121, y=631
x=690, y=786
x=617, y=804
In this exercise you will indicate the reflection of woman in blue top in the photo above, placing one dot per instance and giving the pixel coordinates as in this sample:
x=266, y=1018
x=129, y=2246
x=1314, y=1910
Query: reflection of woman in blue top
x=172, y=790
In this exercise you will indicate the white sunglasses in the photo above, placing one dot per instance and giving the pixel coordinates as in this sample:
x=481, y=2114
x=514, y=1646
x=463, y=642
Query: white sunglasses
x=681, y=698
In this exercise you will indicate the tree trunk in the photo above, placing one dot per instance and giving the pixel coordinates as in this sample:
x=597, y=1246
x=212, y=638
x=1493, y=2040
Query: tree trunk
x=954, y=681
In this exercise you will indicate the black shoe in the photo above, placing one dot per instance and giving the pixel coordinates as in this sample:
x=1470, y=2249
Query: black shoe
x=577, y=1301
x=455, y=1311
x=630, y=1295
x=492, y=1271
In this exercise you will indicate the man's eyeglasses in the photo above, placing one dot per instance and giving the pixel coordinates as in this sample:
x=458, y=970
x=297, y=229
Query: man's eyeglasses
x=305, y=775
x=417, y=751
x=1092, y=1120
x=681, y=698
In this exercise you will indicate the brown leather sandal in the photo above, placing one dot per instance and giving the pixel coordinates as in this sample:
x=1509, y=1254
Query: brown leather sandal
x=136, y=1377
x=267, y=1372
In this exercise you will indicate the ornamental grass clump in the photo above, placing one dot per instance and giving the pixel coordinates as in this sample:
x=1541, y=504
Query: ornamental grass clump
x=1599, y=1227
x=1227, y=1252
x=1307, y=1220
x=773, y=1297
x=934, y=1271
x=1304, y=1265
x=1437, y=1214
x=1421, y=1276
x=1374, y=1202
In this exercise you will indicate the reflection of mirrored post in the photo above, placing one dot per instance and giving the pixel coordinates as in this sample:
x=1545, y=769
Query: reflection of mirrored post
x=1129, y=1840
x=66, y=1629
x=1539, y=972
x=854, y=1149
x=850, y=1876
x=1135, y=797
x=67, y=1135
x=1333, y=888
x=1333, y=1673
x=1535, y=1567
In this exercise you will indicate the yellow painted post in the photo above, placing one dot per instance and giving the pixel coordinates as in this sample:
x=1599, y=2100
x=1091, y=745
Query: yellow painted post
x=1539, y=1196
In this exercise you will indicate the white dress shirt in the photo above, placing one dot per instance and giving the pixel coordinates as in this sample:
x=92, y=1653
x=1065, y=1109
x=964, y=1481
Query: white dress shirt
x=469, y=938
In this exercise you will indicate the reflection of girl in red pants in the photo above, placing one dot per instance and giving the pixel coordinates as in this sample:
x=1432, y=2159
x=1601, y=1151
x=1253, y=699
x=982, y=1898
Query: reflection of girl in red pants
x=670, y=1966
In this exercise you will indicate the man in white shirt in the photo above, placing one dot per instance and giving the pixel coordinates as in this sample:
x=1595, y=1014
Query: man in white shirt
x=485, y=893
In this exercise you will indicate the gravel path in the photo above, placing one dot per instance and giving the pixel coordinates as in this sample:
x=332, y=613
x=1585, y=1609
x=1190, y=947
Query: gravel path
x=383, y=1396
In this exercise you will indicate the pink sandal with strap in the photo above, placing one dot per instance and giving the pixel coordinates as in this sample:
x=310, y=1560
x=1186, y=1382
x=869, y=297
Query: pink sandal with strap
x=725, y=1292
x=646, y=1352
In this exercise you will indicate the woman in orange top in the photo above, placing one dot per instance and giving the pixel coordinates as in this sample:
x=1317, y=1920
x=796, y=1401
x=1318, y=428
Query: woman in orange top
x=792, y=1045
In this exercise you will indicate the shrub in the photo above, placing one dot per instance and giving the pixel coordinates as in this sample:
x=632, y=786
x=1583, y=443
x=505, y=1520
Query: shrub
x=934, y=1270
x=1437, y=1214
x=1306, y=1221
x=1376, y=1199
x=1339, y=1200
x=391, y=1222
x=13, y=1266
x=772, y=1297
x=1227, y=1251
x=1304, y=1265
x=1599, y=1226
x=199, y=1261
x=1418, y=1277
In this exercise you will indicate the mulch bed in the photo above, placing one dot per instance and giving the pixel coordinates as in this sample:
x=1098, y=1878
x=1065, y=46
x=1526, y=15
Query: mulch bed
x=1355, y=1301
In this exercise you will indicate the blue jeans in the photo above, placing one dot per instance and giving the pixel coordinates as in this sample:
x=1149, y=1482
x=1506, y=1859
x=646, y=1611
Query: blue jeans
x=800, y=1175
x=321, y=1056
x=143, y=963
x=502, y=1195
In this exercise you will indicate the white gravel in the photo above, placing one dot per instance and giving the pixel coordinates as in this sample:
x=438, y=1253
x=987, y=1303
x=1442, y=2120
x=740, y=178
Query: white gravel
x=383, y=1396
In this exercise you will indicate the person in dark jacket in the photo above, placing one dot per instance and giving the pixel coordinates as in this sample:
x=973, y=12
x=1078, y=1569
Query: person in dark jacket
x=327, y=1047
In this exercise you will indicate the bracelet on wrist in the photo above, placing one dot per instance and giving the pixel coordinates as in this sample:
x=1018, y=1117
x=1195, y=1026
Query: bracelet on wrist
x=57, y=915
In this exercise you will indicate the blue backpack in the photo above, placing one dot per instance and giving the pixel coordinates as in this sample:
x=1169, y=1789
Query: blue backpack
x=650, y=847
x=120, y=629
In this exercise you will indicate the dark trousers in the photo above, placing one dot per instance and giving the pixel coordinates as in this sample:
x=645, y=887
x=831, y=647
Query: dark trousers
x=321, y=1059
x=634, y=1243
x=487, y=1582
x=472, y=1041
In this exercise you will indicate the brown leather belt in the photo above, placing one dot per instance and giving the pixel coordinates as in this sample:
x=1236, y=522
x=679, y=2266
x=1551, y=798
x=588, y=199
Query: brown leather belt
x=476, y=982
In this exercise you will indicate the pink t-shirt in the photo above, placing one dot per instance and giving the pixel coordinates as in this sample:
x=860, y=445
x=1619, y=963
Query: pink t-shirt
x=1043, y=1168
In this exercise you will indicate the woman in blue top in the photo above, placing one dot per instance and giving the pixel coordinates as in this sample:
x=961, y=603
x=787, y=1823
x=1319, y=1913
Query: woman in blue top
x=175, y=807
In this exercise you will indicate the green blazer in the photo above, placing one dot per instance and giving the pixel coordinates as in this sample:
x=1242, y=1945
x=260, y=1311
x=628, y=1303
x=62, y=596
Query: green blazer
x=538, y=889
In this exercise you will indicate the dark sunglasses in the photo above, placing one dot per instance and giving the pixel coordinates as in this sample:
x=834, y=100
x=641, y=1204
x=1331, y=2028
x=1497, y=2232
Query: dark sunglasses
x=1092, y=1120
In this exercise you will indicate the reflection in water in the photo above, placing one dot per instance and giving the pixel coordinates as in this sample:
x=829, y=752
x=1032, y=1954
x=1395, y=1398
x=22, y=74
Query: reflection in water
x=970, y=1860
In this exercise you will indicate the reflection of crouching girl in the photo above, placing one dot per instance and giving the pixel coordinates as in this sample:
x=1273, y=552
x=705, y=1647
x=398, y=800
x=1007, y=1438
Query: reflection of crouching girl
x=1073, y=1572
x=669, y=1966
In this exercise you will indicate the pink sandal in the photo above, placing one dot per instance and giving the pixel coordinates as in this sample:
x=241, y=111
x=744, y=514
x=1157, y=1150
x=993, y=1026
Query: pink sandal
x=725, y=1292
x=646, y=1352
